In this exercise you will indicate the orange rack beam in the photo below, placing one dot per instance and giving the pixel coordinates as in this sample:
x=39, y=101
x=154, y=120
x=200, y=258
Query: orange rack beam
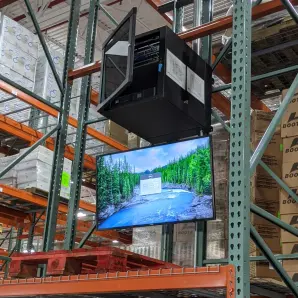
x=215, y=277
x=22, y=195
x=51, y=111
x=84, y=70
x=30, y=135
x=38, y=200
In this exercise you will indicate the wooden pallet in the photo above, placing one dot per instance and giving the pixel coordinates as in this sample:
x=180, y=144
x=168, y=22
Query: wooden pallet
x=82, y=261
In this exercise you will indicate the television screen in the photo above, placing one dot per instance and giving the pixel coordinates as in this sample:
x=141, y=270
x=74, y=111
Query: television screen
x=155, y=185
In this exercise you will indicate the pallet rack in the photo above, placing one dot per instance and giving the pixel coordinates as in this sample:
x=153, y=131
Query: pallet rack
x=236, y=282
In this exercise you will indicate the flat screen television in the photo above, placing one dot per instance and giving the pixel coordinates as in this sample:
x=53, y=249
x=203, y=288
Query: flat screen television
x=162, y=184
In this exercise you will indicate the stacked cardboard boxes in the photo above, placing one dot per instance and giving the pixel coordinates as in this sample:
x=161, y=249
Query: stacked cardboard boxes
x=9, y=178
x=116, y=132
x=47, y=87
x=217, y=236
x=18, y=59
x=184, y=244
x=34, y=171
x=288, y=206
x=146, y=241
x=88, y=195
x=265, y=191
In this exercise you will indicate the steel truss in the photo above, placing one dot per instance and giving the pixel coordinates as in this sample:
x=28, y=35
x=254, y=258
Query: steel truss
x=241, y=158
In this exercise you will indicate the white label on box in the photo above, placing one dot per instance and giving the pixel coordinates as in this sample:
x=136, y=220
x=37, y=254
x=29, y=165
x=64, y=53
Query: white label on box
x=150, y=184
x=176, y=69
x=195, y=85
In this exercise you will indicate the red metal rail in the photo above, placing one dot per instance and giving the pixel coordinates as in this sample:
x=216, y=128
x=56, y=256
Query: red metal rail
x=215, y=277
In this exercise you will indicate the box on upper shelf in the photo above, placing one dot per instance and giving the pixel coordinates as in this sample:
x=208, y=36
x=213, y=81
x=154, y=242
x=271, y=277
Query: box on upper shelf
x=291, y=219
x=289, y=121
x=287, y=204
x=290, y=173
x=260, y=121
x=19, y=36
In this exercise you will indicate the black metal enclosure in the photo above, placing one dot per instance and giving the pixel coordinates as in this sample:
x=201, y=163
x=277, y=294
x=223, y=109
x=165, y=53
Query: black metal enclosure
x=155, y=85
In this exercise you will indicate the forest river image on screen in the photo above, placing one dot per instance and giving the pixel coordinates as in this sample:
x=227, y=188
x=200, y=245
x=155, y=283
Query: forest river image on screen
x=155, y=185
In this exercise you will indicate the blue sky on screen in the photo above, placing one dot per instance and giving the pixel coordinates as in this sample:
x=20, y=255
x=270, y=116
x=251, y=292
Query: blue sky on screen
x=151, y=158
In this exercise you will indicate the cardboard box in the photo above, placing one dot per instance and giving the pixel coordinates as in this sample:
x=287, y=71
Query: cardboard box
x=290, y=173
x=287, y=204
x=11, y=181
x=24, y=64
x=290, y=265
x=116, y=132
x=262, y=270
x=217, y=249
x=271, y=206
x=293, y=275
x=273, y=162
x=289, y=123
x=290, y=149
x=290, y=248
x=11, y=107
x=19, y=36
x=264, y=187
x=88, y=195
x=260, y=121
x=217, y=230
x=45, y=84
x=274, y=147
x=183, y=254
x=133, y=141
x=184, y=232
x=274, y=245
x=269, y=231
x=291, y=219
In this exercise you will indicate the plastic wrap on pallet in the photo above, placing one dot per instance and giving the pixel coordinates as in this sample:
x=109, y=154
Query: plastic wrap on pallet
x=34, y=171
x=146, y=241
x=9, y=178
x=216, y=249
x=88, y=195
x=17, y=60
x=19, y=36
x=18, y=48
x=184, y=244
x=15, y=108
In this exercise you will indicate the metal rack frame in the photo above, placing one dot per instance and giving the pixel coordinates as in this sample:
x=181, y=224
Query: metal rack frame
x=241, y=159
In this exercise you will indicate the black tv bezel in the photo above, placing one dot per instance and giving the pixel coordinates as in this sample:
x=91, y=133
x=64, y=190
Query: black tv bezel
x=164, y=223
